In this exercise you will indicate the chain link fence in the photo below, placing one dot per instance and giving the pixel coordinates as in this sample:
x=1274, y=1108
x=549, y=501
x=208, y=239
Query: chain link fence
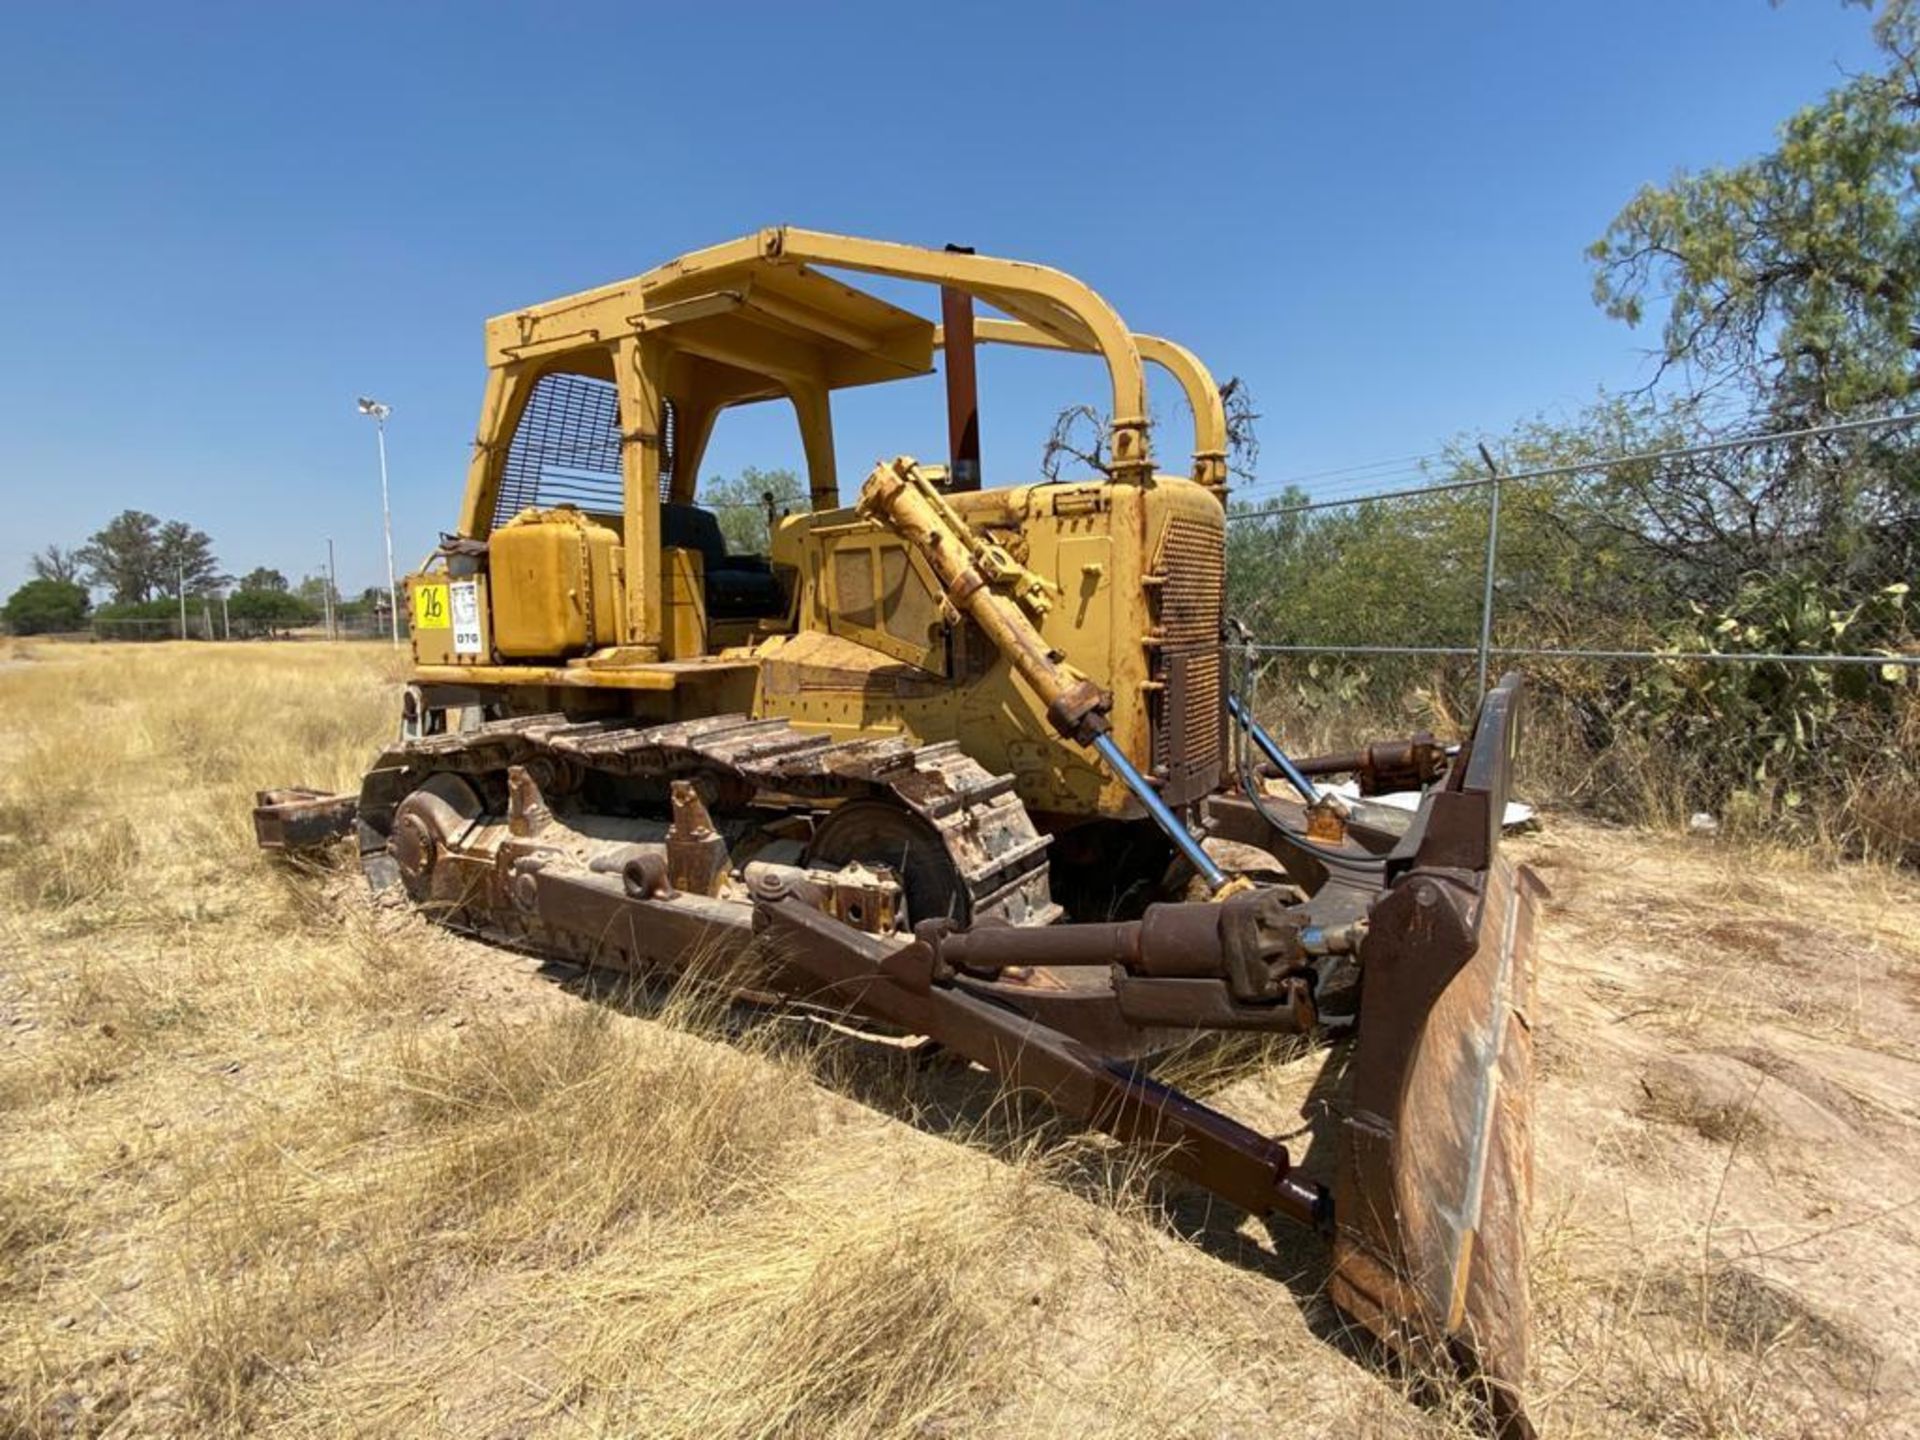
x=212, y=624
x=1720, y=629
x=137, y=630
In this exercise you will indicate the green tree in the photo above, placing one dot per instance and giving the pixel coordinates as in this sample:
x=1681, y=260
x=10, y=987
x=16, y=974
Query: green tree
x=261, y=578
x=41, y=607
x=135, y=557
x=269, y=610
x=314, y=589
x=1791, y=288
x=743, y=504
x=1788, y=289
x=57, y=563
x=159, y=608
x=1798, y=272
x=122, y=557
x=184, y=559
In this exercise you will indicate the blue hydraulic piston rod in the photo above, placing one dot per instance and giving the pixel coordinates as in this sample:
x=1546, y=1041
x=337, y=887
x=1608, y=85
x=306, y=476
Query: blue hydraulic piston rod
x=1272, y=751
x=1163, y=817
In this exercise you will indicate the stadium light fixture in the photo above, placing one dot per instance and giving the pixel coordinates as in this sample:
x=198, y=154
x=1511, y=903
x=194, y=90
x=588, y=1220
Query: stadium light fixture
x=380, y=412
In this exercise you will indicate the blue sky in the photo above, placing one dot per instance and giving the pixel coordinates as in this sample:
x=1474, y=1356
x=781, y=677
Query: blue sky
x=219, y=224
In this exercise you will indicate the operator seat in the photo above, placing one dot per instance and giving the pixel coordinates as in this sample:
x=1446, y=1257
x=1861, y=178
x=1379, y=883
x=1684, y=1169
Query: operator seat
x=739, y=587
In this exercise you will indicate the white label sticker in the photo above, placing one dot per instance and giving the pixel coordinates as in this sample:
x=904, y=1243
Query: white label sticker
x=466, y=617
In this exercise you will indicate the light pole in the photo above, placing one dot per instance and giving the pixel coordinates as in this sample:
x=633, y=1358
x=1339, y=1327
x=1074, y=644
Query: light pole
x=380, y=413
x=333, y=594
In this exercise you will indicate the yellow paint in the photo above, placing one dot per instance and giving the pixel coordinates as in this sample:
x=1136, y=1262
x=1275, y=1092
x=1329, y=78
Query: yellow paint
x=557, y=590
x=683, y=604
x=653, y=677
x=431, y=609
x=1104, y=545
x=872, y=645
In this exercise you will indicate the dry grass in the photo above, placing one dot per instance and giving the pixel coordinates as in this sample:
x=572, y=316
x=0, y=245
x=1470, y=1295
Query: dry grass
x=1855, y=796
x=273, y=1161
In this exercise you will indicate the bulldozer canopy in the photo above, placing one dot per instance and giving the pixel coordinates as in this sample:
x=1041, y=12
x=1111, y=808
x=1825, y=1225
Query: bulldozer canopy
x=735, y=305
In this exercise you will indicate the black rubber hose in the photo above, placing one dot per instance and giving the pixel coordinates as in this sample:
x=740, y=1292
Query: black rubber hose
x=1299, y=841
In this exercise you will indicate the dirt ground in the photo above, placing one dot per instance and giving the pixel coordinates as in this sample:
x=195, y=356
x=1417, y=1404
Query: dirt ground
x=275, y=1162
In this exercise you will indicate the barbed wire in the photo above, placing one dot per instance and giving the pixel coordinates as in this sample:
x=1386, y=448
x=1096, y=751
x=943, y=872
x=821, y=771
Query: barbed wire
x=1606, y=462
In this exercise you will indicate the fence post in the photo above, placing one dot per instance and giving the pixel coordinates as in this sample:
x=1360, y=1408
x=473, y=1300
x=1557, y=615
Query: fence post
x=1493, y=551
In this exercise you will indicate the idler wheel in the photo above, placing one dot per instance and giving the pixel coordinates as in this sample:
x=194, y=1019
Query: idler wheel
x=413, y=847
x=427, y=821
x=874, y=832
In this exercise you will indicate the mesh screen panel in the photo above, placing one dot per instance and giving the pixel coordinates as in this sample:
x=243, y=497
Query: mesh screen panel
x=567, y=450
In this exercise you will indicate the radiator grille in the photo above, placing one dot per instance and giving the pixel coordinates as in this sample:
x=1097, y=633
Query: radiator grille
x=1188, y=725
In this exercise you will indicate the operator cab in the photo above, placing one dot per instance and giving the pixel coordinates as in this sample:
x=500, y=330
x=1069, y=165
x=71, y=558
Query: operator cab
x=610, y=399
x=563, y=468
x=583, y=536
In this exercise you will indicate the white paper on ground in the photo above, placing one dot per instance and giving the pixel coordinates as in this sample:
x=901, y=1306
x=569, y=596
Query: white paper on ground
x=1517, y=814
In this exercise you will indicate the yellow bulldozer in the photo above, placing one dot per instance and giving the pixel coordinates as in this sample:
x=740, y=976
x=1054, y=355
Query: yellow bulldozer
x=959, y=761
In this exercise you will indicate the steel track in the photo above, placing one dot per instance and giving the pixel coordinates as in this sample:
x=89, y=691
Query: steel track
x=998, y=856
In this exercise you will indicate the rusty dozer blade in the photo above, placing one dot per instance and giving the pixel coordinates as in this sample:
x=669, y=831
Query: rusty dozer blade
x=1434, y=1166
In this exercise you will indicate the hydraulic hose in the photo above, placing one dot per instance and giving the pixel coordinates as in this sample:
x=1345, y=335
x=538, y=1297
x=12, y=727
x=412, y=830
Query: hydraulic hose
x=1309, y=792
x=1294, y=837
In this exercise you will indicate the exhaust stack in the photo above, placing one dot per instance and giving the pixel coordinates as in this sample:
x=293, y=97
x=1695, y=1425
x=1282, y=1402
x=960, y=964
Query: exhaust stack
x=963, y=385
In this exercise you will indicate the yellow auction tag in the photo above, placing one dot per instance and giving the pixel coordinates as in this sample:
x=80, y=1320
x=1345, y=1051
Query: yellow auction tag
x=430, y=608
